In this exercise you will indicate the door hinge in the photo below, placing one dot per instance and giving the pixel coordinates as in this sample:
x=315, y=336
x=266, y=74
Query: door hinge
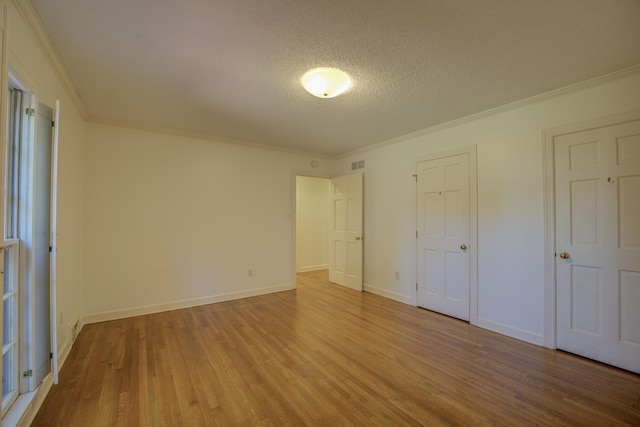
x=28, y=373
x=416, y=234
x=50, y=248
x=53, y=123
x=415, y=176
x=416, y=286
x=30, y=112
x=51, y=355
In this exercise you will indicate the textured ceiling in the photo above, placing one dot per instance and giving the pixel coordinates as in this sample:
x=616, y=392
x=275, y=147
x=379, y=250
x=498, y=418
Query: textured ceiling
x=230, y=69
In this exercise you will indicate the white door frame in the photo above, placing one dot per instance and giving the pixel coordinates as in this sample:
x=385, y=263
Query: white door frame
x=472, y=151
x=295, y=173
x=549, y=199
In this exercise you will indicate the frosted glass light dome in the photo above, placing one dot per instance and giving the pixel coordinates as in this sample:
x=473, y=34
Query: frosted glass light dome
x=326, y=82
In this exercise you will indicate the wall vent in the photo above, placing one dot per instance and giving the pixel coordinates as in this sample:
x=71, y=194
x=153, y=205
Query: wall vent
x=357, y=165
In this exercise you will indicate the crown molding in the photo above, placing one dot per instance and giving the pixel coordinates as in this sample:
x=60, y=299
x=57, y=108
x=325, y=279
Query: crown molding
x=206, y=137
x=616, y=75
x=28, y=13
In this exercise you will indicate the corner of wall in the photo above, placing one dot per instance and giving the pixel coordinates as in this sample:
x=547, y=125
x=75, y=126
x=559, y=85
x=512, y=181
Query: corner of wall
x=396, y=296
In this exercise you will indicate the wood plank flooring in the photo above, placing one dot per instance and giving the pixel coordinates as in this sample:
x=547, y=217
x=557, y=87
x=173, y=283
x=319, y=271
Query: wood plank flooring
x=324, y=355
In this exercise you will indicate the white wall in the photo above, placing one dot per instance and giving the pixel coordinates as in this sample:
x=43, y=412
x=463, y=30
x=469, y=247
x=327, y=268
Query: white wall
x=26, y=58
x=163, y=221
x=150, y=221
x=313, y=209
x=510, y=201
x=173, y=221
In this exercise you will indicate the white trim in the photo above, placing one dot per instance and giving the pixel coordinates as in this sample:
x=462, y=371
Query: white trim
x=63, y=352
x=294, y=174
x=25, y=233
x=25, y=8
x=207, y=137
x=472, y=151
x=313, y=268
x=53, y=242
x=177, y=305
x=71, y=332
x=548, y=159
x=396, y=296
x=25, y=409
x=510, y=331
x=616, y=75
x=19, y=77
x=442, y=154
x=549, y=207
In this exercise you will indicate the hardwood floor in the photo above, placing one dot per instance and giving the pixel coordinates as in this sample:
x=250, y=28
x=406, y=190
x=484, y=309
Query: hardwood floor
x=324, y=355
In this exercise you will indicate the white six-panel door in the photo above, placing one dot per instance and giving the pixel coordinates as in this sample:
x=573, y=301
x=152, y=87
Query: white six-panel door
x=598, y=244
x=443, y=213
x=345, y=255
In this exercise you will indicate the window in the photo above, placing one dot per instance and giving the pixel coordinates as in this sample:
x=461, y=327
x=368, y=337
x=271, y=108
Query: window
x=27, y=247
x=11, y=295
x=10, y=333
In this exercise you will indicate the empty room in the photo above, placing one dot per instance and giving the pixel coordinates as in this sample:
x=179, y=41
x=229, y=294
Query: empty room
x=296, y=213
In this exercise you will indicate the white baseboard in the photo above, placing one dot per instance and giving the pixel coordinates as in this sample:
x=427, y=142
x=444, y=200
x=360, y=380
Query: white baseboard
x=313, y=268
x=65, y=348
x=25, y=409
x=176, y=305
x=63, y=352
x=510, y=331
x=407, y=299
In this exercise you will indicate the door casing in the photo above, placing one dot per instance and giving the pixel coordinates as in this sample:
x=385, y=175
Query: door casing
x=549, y=184
x=295, y=173
x=471, y=150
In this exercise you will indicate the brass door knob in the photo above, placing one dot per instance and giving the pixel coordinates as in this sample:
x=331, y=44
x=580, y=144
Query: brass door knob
x=565, y=255
x=463, y=247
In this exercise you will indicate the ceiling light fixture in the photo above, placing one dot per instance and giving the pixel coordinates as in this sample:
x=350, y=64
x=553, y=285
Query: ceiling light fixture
x=326, y=82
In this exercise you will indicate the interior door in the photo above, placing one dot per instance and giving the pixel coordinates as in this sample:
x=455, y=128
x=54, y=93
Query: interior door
x=598, y=244
x=345, y=255
x=443, y=213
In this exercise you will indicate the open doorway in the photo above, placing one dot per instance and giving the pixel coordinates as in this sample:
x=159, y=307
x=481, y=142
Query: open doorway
x=313, y=222
x=328, y=228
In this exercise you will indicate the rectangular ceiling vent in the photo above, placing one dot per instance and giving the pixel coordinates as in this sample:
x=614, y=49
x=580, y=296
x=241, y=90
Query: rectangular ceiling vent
x=357, y=165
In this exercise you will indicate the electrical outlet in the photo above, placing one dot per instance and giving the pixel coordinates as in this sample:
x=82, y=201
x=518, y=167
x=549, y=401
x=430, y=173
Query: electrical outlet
x=252, y=272
x=397, y=275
